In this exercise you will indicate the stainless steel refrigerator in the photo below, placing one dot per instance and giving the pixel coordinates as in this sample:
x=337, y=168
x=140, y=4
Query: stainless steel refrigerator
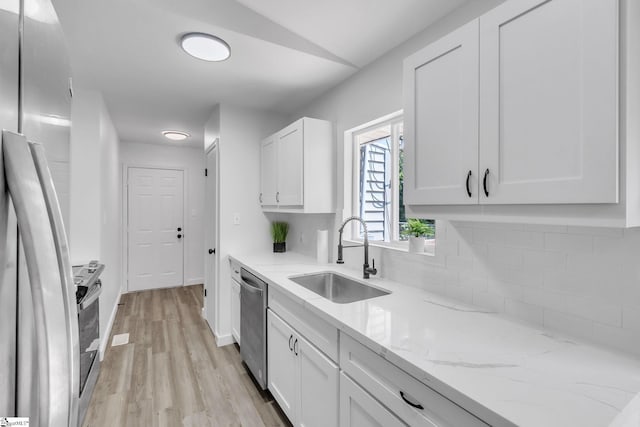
x=38, y=316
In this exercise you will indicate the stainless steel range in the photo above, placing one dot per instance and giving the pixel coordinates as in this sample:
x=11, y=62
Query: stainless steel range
x=88, y=287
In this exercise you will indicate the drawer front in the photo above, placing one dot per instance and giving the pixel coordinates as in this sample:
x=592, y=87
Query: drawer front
x=314, y=329
x=397, y=390
x=235, y=270
x=359, y=409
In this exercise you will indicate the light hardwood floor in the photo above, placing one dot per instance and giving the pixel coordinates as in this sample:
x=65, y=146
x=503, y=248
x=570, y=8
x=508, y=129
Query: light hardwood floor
x=172, y=373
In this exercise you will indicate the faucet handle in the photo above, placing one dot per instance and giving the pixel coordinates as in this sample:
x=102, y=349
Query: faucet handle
x=373, y=266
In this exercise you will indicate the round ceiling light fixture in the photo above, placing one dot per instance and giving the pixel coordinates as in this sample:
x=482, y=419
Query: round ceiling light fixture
x=205, y=46
x=175, y=135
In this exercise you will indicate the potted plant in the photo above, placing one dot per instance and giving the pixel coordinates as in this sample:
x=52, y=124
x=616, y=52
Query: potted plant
x=279, y=231
x=417, y=231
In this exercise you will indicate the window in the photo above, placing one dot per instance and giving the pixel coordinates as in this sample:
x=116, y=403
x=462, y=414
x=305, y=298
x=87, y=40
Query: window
x=378, y=154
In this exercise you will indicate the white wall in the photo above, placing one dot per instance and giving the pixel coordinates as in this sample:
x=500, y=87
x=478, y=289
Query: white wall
x=95, y=211
x=192, y=161
x=240, y=132
x=579, y=281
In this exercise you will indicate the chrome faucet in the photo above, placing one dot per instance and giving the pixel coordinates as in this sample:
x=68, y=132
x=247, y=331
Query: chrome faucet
x=366, y=270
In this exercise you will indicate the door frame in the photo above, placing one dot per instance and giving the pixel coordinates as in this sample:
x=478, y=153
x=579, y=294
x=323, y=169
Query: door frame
x=216, y=241
x=125, y=217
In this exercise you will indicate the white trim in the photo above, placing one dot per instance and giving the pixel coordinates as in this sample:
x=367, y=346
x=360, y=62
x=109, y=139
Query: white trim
x=224, y=340
x=125, y=212
x=105, y=339
x=195, y=281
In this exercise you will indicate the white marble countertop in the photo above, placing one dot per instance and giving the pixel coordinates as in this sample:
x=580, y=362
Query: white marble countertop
x=506, y=372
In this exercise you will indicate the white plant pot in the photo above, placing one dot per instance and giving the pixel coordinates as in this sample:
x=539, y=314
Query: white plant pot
x=416, y=244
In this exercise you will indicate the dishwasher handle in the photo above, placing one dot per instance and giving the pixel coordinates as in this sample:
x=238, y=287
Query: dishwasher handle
x=249, y=288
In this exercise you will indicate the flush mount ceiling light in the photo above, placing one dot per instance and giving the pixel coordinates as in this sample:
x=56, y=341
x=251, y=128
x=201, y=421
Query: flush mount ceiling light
x=175, y=135
x=205, y=46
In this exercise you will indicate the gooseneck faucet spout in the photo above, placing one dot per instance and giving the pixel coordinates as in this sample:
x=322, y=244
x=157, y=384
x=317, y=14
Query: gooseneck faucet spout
x=366, y=270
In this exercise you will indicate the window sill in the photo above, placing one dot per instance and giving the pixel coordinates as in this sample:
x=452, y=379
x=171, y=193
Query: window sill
x=429, y=247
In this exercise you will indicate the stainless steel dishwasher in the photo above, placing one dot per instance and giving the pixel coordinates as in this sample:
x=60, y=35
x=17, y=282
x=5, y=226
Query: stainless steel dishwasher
x=253, y=325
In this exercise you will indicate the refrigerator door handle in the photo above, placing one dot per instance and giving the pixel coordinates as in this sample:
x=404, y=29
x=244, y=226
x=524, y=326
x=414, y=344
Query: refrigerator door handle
x=50, y=317
x=66, y=273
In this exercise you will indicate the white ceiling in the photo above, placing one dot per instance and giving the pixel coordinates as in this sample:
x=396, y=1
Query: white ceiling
x=284, y=53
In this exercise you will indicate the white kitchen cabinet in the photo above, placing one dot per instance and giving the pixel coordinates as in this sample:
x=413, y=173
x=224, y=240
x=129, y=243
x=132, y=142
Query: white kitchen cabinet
x=268, y=169
x=441, y=120
x=302, y=380
x=545, y=78
x=359, y=409
x=297, y=168
x=549, y=102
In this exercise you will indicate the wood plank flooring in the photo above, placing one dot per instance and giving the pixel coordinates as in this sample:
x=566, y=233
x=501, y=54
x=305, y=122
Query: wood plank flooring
x=171, y=373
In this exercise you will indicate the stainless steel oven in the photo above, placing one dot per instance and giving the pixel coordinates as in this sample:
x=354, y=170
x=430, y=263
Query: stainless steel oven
x=253, y=325
x=88, y=288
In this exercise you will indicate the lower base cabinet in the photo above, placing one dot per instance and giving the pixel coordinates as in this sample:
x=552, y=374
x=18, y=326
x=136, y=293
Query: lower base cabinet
x=235, y=310
x=302, y=380
x=359, y=409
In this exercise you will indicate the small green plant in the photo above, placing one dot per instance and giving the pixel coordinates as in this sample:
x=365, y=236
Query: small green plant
x=279, y=231
x=417, y=228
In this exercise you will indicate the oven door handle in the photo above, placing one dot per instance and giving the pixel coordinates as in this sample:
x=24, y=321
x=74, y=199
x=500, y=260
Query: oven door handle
x=91, y=298
x=252, y=289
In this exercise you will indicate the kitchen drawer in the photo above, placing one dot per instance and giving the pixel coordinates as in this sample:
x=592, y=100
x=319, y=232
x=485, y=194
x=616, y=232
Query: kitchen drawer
x=388, y=384
x=235, y=270
x=313, y=328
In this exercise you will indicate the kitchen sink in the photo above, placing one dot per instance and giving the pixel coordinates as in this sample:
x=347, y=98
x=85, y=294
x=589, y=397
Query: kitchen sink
x=337, y=288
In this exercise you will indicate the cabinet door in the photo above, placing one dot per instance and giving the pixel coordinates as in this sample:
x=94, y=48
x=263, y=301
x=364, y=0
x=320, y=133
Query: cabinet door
x=548, y=102
x=290, y=165
x=359, y=409
x=268, y=172
x=235, y=310
x=318, y=382
x=281, y=361
x=441, y=121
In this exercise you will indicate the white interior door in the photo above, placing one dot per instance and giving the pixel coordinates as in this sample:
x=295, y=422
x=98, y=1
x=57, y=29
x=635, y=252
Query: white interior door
x=211, y=233
x=156, y=228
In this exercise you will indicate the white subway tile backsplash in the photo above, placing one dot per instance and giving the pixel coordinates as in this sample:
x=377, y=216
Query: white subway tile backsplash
x=568, y=242
x=545, y=299
x=504, y=255
x=546, y=260
x=515, y=238
x=546, y=228
x=489, y=300
x=596, y=231
x=594, y=309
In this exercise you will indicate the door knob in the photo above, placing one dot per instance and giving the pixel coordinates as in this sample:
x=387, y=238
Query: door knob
x=212, y=251
x=179, y=228
x=179, y=236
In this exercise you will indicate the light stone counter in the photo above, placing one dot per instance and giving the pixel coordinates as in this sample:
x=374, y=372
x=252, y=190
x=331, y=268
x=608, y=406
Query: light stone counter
x=505, y=372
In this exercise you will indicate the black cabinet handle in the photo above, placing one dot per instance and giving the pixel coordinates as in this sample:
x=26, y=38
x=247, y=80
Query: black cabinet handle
x=290, y=338
x=212, y=251
x=179, y=236
x=415, y=405
x=260, y=197
x=467, y=184
x=278, y=197
x=179, y=228
x=295, y=348
x=484, y=183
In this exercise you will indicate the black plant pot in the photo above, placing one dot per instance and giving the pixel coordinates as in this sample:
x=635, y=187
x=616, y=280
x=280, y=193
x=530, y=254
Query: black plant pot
x=280, y=247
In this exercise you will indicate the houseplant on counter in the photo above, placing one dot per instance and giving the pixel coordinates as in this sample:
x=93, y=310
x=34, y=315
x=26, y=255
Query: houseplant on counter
x=417, y=230
x=279, y=231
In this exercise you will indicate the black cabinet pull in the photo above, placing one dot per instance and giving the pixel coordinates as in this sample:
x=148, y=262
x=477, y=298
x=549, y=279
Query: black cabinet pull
x=260, y=197
x=179, y=236
x=278, y=197
x=467, y=184
x=295, y=348
x=179, y=228
x=415, y=405
x=290, y=338
x=484, y=183
x=212, y=251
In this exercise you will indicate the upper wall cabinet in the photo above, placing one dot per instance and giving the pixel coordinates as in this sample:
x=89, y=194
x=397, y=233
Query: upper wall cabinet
x=297, y=173
x=517, y=107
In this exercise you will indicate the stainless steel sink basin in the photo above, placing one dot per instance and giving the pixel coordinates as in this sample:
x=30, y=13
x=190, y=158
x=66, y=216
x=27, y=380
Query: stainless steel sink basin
x=337, y=288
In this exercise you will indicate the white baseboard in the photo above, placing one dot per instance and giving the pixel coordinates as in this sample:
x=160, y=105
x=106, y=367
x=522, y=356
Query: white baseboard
x=107, y=334
x=196, y=281
x=223, y=340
